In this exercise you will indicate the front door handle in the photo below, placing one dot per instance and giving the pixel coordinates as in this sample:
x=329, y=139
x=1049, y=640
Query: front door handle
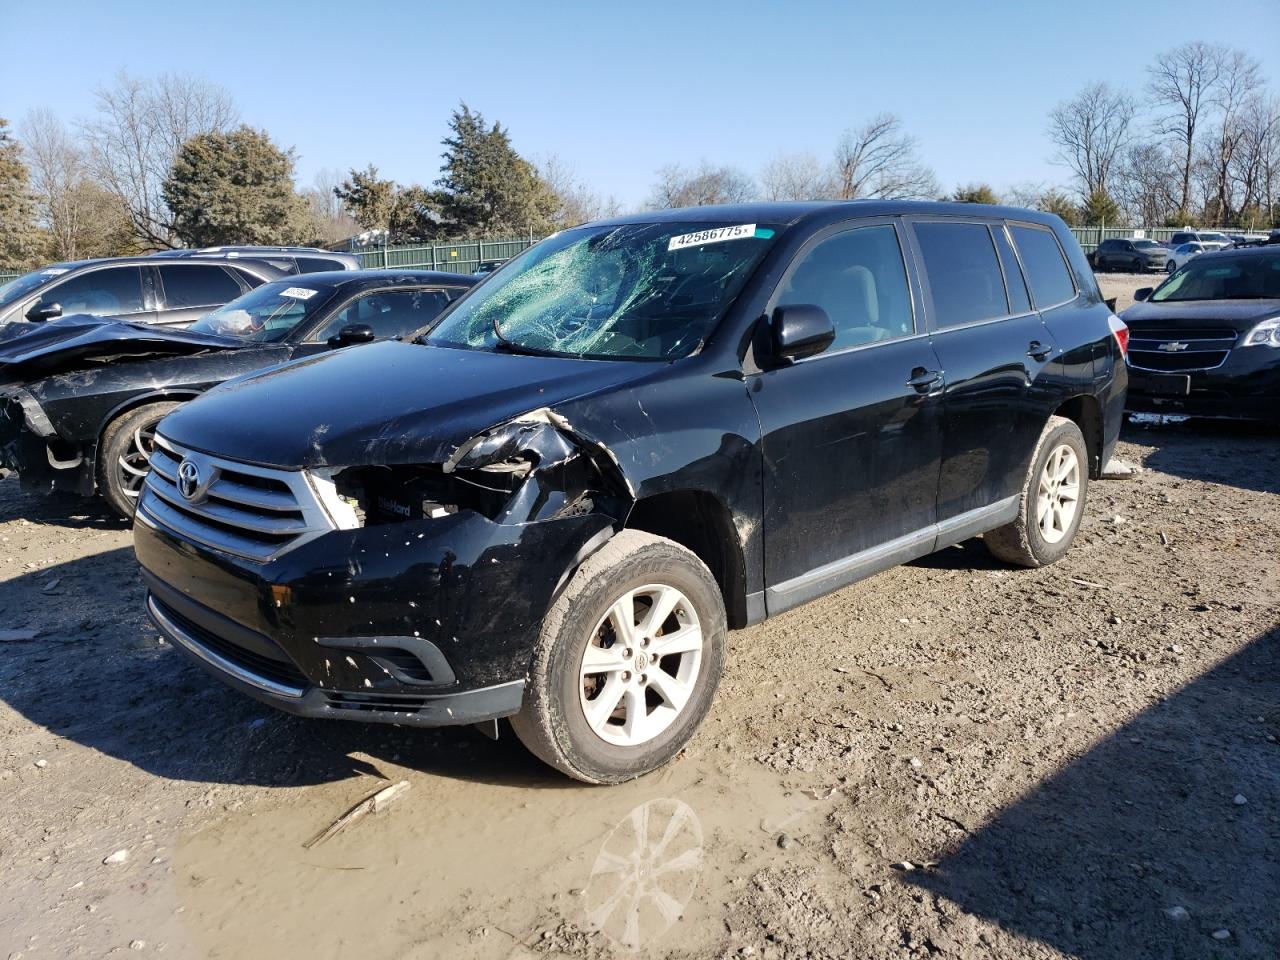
x=923, y=379
x=1038, y=351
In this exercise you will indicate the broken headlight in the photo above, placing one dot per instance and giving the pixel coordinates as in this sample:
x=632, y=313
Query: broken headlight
x=396, y=494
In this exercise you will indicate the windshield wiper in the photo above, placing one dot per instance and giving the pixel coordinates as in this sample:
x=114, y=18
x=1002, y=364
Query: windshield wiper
x=505, y=343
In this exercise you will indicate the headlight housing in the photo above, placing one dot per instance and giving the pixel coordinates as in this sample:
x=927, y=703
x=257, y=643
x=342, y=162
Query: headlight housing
x=1265, y=334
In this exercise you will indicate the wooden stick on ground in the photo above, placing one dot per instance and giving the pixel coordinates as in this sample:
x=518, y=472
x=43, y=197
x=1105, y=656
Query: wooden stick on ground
x=370, y=804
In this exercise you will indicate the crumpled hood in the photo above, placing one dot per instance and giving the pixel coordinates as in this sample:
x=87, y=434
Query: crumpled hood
x=1239, y=315
x=32, y=350
x=385, y=403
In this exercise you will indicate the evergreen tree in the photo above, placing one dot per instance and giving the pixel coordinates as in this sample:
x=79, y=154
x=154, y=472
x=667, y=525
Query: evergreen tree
x=1100, y=209
x=487, y=188
x=975, y=193
x=20, y=238
x=235, y=187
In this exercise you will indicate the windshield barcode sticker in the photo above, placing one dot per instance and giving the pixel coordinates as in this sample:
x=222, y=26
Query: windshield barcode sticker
x=298, y=293
x=716, y=235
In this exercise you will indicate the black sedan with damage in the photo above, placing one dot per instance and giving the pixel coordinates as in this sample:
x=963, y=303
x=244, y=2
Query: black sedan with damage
x=628, y=439
x=80, y=397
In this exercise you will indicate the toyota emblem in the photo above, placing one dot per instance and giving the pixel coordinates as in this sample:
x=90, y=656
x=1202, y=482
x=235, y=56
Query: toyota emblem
x=188, y=479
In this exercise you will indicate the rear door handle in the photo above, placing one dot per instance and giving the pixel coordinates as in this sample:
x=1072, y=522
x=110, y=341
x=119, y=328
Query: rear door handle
x=1038, y=351
x=923, y=379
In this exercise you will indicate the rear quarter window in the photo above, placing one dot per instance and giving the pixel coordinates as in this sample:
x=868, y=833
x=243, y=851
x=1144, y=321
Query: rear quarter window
x=1046, y=270
x=197, y=285
x=964, y=274
x=318, y=264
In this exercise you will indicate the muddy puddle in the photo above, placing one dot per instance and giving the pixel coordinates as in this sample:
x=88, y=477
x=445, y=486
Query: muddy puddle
x=492, y=865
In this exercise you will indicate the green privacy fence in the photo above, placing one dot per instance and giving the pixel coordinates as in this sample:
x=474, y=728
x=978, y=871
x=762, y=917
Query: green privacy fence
x=1090, y=237
x=463, y=256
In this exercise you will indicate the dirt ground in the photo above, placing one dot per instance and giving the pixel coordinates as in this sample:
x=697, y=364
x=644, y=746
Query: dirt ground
x=951, y=759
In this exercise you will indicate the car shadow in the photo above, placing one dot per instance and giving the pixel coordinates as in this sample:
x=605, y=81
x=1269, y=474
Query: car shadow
x=56, y=509
x=1188, y=448
x=1162, y=835
x=97, y=673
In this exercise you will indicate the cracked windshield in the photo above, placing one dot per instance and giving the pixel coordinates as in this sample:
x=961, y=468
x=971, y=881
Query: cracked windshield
x=646, y=291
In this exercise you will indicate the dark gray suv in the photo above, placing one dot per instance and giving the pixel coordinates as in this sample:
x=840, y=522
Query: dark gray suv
x=1136, y=256
x=140, y=289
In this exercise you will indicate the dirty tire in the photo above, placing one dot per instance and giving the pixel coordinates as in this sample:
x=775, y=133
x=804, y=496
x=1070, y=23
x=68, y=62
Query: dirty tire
x=118, y=443
x=552, y=723
x=1021, y=542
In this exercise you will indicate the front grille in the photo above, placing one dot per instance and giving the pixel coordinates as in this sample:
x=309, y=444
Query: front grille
x=247, y=511
x=277, y=671
x=1173, y=350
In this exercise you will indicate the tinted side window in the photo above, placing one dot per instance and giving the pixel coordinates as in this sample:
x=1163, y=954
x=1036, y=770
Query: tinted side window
x=317, y=264
x=104, y=293
x=197, y=285
x=859, y=278
x=1015, y=286
x=391, y=313
x=1047, y=272
x=964, y=274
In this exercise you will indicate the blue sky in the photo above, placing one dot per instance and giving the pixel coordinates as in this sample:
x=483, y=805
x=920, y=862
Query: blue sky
x=617, y=90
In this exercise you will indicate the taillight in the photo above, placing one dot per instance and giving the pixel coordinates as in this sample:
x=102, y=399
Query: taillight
x=1120, y=331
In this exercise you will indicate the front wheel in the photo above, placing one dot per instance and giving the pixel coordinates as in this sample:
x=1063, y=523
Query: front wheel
x=1052, y=501
x=124, y=455
x=627, y=662
x=1172, y=267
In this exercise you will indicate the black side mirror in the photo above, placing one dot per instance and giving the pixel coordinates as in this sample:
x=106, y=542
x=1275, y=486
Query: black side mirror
x=1143, y=293
x=44, y=311
x=801, y=330
x=352, y=334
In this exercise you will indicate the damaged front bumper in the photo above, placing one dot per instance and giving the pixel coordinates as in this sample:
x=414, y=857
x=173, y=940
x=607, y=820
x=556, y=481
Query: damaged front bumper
x=416, y=599
x=32, y=448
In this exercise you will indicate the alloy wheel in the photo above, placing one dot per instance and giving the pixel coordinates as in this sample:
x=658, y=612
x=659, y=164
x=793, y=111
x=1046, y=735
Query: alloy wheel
x=640, y=665
x=1058, y=496
x=135, y=463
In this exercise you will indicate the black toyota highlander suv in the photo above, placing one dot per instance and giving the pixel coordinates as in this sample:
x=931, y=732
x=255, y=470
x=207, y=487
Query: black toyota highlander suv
x=631, y=437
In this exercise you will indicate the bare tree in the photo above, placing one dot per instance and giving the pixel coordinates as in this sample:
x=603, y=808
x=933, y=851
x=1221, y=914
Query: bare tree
x=1237, y=85
x=1179, y=85
x=57, y=168
x=1254, y=161
x=880, y=160
x=83, y=218
x=1090, y=132
x=140, y=127
x=576, y=203
x=330, y=221
x=1148, y=185
x=797, y=176
x=678, y=187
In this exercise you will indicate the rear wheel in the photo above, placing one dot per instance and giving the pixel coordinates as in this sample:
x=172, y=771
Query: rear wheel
x=1052, y=500
x=627, y=663
x=124, y=455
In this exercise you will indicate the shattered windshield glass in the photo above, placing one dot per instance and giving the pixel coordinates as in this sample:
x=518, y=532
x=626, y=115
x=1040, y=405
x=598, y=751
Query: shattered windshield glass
x=268, y=313
x=650, y=291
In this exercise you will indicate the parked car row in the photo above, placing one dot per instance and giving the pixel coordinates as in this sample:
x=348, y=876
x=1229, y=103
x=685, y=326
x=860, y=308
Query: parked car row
x=547, y=494
x=86, y=393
